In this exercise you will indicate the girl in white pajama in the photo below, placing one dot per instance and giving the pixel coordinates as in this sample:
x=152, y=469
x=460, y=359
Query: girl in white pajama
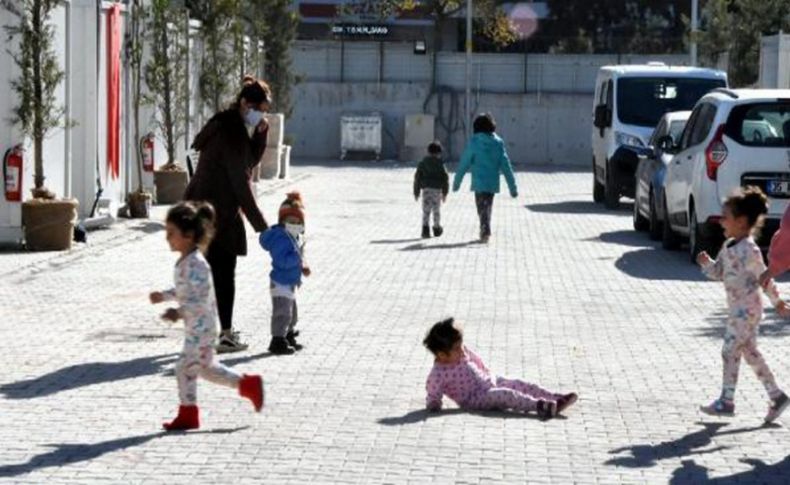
x=188, y=227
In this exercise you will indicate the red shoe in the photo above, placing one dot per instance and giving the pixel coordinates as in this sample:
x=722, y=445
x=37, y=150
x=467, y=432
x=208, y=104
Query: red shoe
x=188, y=418
x=251, y=387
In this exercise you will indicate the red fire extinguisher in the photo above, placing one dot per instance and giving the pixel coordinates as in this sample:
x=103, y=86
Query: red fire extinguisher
x=147, y=148
x=12, y=173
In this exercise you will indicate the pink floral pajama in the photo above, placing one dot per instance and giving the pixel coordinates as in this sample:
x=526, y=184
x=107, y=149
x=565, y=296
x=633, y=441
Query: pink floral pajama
x=739, y=265
x=194, y=291
x=472, y=386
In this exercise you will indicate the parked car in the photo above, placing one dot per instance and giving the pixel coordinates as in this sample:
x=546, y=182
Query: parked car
x=719, y=152
x=629, y=101
x=649, y=196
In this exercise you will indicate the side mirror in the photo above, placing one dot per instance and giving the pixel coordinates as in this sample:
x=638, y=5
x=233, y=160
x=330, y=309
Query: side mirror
x=666, y=143
x=602, y=116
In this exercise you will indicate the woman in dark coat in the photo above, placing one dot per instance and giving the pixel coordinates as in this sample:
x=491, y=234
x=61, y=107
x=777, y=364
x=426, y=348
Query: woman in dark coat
x=231, y=145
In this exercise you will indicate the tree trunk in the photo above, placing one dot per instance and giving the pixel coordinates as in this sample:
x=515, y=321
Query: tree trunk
x=38, y=121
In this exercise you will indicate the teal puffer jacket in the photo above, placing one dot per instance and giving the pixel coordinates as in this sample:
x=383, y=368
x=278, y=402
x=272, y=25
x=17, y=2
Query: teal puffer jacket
x=485, y=155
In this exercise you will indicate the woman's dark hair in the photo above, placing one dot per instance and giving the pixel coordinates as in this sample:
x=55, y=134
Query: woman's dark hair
x=750, y=202
x=255, y=91
x=443, y=336
x=484, y=123
x=196, y=218
x=435, y=148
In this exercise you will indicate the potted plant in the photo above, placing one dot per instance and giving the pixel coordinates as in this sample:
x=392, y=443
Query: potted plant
x=166, y=79
x=139, y=200
x=47, y=220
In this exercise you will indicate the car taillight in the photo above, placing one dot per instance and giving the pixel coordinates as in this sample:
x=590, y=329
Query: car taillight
x=716, y=153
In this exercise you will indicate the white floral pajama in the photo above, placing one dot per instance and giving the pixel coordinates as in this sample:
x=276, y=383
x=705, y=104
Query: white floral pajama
x=194, y=291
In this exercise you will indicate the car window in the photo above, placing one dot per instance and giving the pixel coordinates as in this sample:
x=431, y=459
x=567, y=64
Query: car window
x=602, y=93
x=660, y=131
x=692, y=122
x=643, y=101
x=703, y=124
x=760, y=124
x=676, y=128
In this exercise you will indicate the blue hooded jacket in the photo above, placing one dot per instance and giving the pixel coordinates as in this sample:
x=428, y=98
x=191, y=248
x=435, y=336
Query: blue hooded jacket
x=486, y=156
x=286, y=258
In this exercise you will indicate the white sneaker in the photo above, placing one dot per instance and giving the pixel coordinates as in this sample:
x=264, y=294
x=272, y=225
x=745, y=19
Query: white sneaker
x=230, y=342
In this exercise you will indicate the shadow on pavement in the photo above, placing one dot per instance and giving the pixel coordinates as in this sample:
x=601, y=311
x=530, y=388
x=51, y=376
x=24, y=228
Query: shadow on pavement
x=149, y=227
x=67, y=453
x=772, y=326
x=579, y=207
x=423, y=246
x=396, y=241
x=658, y=264
x=761, y=472
x=82, y=375
x=247, y=358
x=419, y=415
x=623, y=238
x=648, y=455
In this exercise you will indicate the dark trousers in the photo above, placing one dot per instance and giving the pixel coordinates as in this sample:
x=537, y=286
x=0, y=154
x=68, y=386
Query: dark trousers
x=223, y=271
x=484, y=202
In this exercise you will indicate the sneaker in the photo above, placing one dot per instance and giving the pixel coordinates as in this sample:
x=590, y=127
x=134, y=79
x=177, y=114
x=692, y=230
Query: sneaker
x=426, y=232
x=279, y=346
x=719, y=407
x=778, y=405
x=437, y=231
x=565, y=401
x=484, y=239
x=230, y=342
x=547, y=409
x=291, y=338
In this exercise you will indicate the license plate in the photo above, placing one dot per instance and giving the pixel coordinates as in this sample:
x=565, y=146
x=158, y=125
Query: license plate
x=778, y=187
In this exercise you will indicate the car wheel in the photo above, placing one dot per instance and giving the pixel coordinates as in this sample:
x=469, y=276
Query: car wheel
x=640, y=222
x=654, y=225
x=611, y=191
x=598, y=195
x=669, y=238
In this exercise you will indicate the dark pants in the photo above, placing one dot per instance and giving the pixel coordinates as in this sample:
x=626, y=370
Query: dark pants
x=484, y=202
x=223, y=271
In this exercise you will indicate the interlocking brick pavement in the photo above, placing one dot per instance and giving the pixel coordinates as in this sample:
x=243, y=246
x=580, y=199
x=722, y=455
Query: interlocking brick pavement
x=566, y=295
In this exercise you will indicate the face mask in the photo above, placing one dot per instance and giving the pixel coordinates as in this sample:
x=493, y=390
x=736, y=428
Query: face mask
x=253, y=117
x=294, y=229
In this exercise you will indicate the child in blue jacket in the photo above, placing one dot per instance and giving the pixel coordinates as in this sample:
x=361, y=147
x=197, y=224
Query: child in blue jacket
x=285, y=242
x=485, y=155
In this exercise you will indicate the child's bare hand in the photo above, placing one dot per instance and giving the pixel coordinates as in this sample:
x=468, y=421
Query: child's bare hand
x=782, y=309
x=765, y=277
x=306, y=270
x=156, y=297
x=703, y=259
x=171, y=315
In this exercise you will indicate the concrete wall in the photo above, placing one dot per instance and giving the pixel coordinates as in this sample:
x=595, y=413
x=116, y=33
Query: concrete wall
x=538, y=128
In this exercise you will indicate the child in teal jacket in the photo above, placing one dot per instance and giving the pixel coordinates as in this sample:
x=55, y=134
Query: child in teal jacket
x=485, y=155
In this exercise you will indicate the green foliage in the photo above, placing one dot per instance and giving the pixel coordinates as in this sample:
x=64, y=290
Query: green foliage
x=276, y=24
x=165, y=72
x=38, y=111
x=222, y=32
x=736, y=27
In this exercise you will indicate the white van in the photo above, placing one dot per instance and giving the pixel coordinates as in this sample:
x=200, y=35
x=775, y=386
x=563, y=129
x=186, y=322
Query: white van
x=629, y=102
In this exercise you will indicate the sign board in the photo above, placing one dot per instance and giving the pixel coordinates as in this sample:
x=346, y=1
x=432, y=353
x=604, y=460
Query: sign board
x=361, y=30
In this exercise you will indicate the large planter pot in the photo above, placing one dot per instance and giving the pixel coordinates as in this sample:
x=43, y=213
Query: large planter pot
x=170, y=185
x=139, y=205
x=49, y=224
x=270, y=162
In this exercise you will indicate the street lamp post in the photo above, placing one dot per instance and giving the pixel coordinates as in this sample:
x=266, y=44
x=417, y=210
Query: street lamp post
x=468, y=97
x=694, y=25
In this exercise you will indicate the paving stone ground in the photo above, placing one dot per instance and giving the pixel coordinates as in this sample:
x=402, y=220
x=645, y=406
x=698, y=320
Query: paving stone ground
x=566, y=294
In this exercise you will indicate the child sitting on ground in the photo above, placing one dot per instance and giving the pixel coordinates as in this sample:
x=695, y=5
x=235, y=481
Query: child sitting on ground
x=285, y=242
x=432, y=180
x=460, y=374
